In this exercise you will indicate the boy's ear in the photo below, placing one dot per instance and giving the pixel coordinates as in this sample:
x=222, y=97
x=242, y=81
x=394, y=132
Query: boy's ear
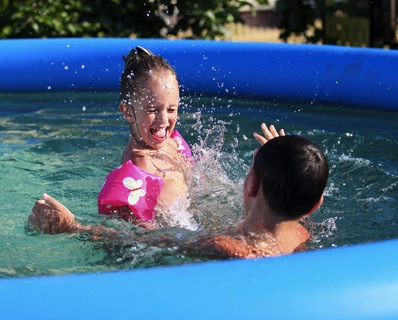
x=253, y=183
x=254, y=156
x=316, y=206
x=126, y=111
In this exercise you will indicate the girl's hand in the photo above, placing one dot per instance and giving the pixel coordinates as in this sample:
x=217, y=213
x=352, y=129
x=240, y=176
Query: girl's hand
x=268, y=133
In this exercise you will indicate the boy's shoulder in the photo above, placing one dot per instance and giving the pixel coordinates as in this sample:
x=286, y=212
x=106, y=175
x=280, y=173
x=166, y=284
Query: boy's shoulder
x=230, y=246
x=240, y=246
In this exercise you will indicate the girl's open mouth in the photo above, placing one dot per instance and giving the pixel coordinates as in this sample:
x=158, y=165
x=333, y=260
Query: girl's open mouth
x=159, y=133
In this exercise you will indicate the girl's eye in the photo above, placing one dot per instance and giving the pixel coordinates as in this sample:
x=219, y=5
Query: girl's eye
x=171, y=110
x=151, y=110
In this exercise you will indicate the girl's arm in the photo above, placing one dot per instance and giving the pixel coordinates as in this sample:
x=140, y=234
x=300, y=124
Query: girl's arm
x=268, y=133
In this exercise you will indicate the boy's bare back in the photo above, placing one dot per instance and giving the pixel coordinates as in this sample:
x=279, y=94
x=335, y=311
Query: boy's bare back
x=236, y=242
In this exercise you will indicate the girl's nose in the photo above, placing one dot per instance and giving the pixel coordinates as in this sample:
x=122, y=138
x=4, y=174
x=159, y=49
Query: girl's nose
x=162, y=118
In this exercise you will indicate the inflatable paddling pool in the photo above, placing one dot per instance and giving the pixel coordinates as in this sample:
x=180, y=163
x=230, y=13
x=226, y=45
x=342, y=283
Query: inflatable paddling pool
x=359, y=281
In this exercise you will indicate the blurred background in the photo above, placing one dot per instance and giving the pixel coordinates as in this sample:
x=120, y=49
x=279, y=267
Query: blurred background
x=360, y=23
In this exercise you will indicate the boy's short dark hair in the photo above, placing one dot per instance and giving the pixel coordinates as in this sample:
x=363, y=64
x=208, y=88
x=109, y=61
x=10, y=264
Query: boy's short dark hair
x=294, y=172
x=140, y=65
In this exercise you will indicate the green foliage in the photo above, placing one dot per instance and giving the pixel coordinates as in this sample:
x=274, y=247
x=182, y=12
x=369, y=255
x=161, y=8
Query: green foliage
x=298, y=17
x=203, y=19
x=42, y=18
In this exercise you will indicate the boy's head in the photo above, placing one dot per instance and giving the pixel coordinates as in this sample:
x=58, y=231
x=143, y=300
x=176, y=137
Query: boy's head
x=141, y=66
x=293, y=172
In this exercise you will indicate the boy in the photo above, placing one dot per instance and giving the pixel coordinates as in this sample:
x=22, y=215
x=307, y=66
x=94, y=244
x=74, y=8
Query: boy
x=285, y=183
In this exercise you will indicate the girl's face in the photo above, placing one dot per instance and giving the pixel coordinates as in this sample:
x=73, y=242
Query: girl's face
x=156, y=110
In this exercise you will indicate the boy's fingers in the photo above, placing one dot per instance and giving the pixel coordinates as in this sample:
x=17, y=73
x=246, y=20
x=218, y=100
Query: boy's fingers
x=52, y=202
x=40, y=207
x=32, y=219
x=63, y=213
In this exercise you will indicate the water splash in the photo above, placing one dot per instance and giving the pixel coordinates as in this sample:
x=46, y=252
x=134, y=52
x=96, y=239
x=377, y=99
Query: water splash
x=217, y=181
x=177, y=216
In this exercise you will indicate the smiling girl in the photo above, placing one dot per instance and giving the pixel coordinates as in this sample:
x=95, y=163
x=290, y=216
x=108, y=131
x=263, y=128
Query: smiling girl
x=149, y=102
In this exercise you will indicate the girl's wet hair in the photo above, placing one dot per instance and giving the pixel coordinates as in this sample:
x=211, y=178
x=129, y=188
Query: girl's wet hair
x=294, y=172
x=140, y=65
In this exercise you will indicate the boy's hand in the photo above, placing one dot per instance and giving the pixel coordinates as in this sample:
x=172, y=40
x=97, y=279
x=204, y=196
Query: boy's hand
x=268, y=133
x=50, y=216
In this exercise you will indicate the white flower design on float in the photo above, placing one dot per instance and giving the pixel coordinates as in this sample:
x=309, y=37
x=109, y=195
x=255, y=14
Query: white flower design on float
x=178, y=141
x=135, y=186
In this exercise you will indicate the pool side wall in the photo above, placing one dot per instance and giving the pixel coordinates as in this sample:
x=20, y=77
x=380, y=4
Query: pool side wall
x=357, y=77
x=355, y=282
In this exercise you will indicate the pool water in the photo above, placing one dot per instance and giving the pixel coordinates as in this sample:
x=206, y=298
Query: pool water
x=65, y=144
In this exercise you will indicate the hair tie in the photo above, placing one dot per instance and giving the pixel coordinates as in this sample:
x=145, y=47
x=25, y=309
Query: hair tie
x=144, y=50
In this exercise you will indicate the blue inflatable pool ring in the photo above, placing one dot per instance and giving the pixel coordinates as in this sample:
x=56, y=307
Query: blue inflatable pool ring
x=353, y=282
x=358, y=77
